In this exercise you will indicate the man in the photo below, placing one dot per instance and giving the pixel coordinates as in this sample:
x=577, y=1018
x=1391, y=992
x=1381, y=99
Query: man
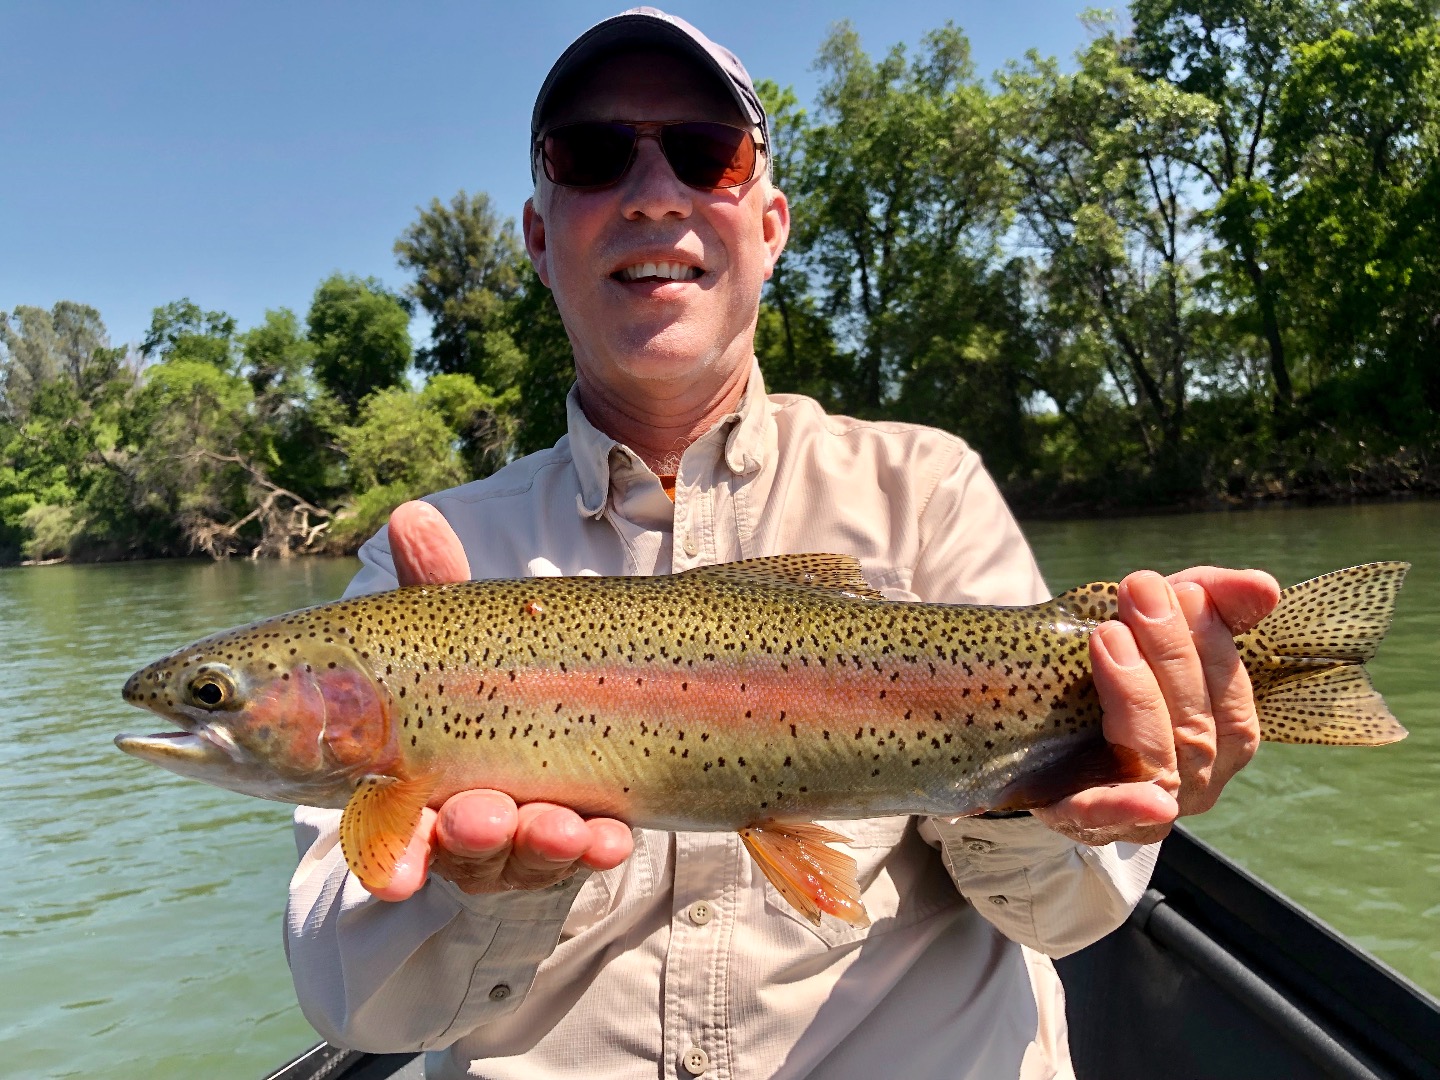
x=527, y=942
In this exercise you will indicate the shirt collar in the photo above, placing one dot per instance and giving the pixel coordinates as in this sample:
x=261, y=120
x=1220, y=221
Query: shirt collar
x=593, y=451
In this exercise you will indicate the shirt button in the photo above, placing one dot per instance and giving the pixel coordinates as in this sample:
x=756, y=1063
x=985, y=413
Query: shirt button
x=978, y=846
x=695, y=1061
x=700, y=912
x=999, y=901
x=499, y=992
x=691, y=545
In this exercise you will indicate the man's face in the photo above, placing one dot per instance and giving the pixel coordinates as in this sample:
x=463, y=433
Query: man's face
x=653, y=334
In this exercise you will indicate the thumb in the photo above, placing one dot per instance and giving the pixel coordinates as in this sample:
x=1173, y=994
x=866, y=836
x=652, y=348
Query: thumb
x=424, y=547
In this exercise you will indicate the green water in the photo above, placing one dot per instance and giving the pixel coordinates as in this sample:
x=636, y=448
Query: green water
x=140, y=919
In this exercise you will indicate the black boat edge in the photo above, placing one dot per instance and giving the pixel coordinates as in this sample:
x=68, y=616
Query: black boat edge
x=1215, y=976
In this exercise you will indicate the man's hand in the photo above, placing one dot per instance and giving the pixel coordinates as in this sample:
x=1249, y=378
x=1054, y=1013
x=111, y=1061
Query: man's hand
x=481, y=840
x=1173, y=688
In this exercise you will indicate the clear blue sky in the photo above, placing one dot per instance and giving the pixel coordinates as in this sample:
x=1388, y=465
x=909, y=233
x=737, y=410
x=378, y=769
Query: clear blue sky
x=239, y=153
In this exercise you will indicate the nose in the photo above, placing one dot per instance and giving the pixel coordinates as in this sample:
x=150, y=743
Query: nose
x=131, y=691
x=652, y=190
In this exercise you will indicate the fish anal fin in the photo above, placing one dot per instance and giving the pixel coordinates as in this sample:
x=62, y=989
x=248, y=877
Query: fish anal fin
x=1336, y=706
x=813, y=877
x=840, y=573
x=1092, y=763
x=377, y=825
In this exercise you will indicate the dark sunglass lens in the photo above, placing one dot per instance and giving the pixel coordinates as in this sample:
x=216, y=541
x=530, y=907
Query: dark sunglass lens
x=588, y=155
x=709, y=155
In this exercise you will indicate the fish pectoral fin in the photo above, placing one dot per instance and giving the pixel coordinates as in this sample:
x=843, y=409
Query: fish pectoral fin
x=812, y=876
x=377, y=825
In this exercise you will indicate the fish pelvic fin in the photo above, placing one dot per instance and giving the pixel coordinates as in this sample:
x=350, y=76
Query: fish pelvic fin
x=1306, y=659
x=813, y=877
x=377, y=824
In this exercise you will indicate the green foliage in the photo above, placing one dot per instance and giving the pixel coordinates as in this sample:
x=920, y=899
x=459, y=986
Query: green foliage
x=407, y=443
x=361, y=338
x=182, y=331
x=1199, y=262
x=533, y=323
x=467, y=265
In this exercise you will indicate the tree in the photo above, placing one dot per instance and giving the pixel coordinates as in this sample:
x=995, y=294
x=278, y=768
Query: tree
x=69, y=341
x=1359, y=231
x=1237, y=55
x=903, y=204
x=1098, y=160
x=793, y=341
x=182, y=331
x=406, y=443
x=468, y=266
x=547, y=369
x=361, y=336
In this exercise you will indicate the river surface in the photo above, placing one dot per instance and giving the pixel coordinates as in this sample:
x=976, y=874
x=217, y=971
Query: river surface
x=140, y=919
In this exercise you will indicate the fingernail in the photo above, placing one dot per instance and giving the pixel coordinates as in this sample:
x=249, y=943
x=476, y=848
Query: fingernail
x=1151, y=595
x=1115, y=639
x=1191, y=598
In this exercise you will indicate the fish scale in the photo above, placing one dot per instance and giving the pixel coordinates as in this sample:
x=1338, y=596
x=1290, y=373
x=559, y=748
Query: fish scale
x=755, y=696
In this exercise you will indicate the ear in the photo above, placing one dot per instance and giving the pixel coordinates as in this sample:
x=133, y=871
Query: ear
x=533, y=226
x=775, y=226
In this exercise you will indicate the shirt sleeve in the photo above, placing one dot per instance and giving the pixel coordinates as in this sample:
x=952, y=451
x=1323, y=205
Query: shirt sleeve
x=1035, y=886
x=414, y=975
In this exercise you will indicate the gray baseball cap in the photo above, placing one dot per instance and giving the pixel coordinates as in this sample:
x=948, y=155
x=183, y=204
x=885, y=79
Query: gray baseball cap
x=644, y=26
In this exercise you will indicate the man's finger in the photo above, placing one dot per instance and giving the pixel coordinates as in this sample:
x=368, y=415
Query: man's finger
x=611, y=843
x=474, y=837
x=1133, y=706
x=1232, y=704
x=549, y=843
x=1151, y=610
x=1241, y=597
x=414, y=865
x=1139, y=813
x=424, y=547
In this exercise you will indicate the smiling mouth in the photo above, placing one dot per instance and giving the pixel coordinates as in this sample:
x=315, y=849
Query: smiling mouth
x=659, y=271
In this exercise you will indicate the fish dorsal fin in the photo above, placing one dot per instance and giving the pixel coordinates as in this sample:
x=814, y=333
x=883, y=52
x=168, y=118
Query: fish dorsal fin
x=840, y=573
x=1096, y=602
x=813, y=877
x=377, y=825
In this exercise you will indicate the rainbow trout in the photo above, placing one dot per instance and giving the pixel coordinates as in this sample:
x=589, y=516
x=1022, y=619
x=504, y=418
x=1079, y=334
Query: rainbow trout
x=755, y=696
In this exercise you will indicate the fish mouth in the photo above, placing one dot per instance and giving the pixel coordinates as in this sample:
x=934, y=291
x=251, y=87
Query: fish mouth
x=205, y=746
x=210, y=754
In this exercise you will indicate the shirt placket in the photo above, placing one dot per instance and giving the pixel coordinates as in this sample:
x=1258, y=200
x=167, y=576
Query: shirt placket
x=696, y=979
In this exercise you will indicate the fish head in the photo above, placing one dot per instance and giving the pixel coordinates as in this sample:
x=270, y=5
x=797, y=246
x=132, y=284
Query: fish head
x=295, y=724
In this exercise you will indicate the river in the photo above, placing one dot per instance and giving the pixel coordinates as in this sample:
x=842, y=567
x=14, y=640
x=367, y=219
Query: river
x=140, y=922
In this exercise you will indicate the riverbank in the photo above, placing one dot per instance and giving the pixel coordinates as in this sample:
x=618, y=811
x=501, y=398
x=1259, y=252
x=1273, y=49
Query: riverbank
x=1276, y=496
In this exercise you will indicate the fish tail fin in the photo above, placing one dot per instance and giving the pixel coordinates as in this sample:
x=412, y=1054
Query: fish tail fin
x=1306, y=659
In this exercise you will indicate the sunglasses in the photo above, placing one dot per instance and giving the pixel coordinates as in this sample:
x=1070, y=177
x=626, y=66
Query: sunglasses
x=594, y=154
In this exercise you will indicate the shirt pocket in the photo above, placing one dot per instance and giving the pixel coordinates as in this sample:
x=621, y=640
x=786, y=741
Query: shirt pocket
x=900, y=876
x=608, y=891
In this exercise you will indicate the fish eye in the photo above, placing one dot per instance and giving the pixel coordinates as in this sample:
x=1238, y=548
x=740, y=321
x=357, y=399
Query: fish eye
x=212, y=690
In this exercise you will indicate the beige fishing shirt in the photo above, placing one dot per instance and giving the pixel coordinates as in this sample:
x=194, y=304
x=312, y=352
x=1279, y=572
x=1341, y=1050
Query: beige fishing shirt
x=684, y=961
